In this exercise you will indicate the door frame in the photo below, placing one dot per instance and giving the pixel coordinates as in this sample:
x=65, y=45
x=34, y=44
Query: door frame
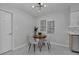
x=12, y=41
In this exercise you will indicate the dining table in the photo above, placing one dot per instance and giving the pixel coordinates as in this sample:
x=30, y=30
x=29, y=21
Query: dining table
x=40, y=39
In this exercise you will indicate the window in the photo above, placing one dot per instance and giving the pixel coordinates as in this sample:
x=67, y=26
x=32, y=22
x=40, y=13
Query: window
x=43, y=25
x=47, y=26
x=50, y=27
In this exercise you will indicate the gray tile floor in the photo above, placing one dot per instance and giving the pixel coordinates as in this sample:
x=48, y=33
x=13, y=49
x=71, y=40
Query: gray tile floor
x=55, y=50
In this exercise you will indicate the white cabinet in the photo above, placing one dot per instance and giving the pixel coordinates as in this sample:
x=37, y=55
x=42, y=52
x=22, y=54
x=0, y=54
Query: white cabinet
x=74, y=28
x=75, y=43
x=74, y=21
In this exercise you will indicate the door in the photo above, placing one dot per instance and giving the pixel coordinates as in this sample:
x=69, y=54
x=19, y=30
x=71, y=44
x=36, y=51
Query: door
x=5, y=31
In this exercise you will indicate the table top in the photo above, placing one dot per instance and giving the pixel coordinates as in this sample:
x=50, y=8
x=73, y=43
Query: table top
x=39, y=36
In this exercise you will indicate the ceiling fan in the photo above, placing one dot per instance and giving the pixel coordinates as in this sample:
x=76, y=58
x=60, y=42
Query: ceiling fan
x=39, y=6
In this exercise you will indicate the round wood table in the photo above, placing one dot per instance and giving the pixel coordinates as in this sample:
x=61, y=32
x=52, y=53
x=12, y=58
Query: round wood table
x=40, y=37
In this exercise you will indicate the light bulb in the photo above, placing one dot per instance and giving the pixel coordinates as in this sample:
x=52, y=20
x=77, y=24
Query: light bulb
x=44, y=5
x=33, y=6
x=41, y=3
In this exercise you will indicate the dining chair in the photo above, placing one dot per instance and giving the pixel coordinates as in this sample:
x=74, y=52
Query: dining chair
x=47, y=42
x=31, y=42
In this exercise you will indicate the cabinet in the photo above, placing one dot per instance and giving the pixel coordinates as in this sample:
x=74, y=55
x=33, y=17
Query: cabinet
x=74, y=28
x=74, y=42
x=74, y=21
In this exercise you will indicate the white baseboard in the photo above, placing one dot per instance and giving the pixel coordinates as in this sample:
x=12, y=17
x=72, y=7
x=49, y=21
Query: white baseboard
x=16, y=48
x=54, y=43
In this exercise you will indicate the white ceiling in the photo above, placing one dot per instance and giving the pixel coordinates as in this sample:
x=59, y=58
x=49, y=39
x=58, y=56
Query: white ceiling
x=27, y=7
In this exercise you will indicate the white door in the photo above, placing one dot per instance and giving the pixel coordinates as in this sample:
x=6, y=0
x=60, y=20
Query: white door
x=5, y=32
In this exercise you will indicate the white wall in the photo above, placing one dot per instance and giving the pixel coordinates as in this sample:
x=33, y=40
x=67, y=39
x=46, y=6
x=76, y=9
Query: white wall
x=62, y=20
x=23, y=25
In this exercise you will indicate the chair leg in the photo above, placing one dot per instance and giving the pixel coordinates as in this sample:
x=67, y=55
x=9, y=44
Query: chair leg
x=29, y=47
x=34, y=47
x=49, y=46
x=40, y=46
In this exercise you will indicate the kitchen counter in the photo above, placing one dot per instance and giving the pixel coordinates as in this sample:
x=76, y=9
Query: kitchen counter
x=73, y=33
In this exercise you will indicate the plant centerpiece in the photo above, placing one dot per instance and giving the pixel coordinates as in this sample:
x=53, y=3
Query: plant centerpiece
x=35, y=30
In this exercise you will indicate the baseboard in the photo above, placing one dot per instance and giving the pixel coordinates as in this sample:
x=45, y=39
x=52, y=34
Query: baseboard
x=16, y=48
x=54, y=43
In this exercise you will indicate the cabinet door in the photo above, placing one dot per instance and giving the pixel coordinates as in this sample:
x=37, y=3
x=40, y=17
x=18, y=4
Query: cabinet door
x=75, y=43
x=74, y=19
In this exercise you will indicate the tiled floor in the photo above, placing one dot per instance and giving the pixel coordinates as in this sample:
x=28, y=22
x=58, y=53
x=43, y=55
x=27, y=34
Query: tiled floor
x=55, y=50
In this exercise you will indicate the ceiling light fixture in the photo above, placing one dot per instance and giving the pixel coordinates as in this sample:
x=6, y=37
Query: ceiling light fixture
x=39, y=6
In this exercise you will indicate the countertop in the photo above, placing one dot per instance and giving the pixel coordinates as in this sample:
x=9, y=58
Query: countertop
x=73, y=33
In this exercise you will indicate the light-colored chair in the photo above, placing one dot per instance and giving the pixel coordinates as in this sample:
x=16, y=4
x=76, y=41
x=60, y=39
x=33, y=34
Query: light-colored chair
x=47, y=42
x=31, y=42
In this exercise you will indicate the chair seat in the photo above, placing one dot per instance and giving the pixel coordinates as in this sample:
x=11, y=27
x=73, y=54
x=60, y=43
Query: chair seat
x=34, y=42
